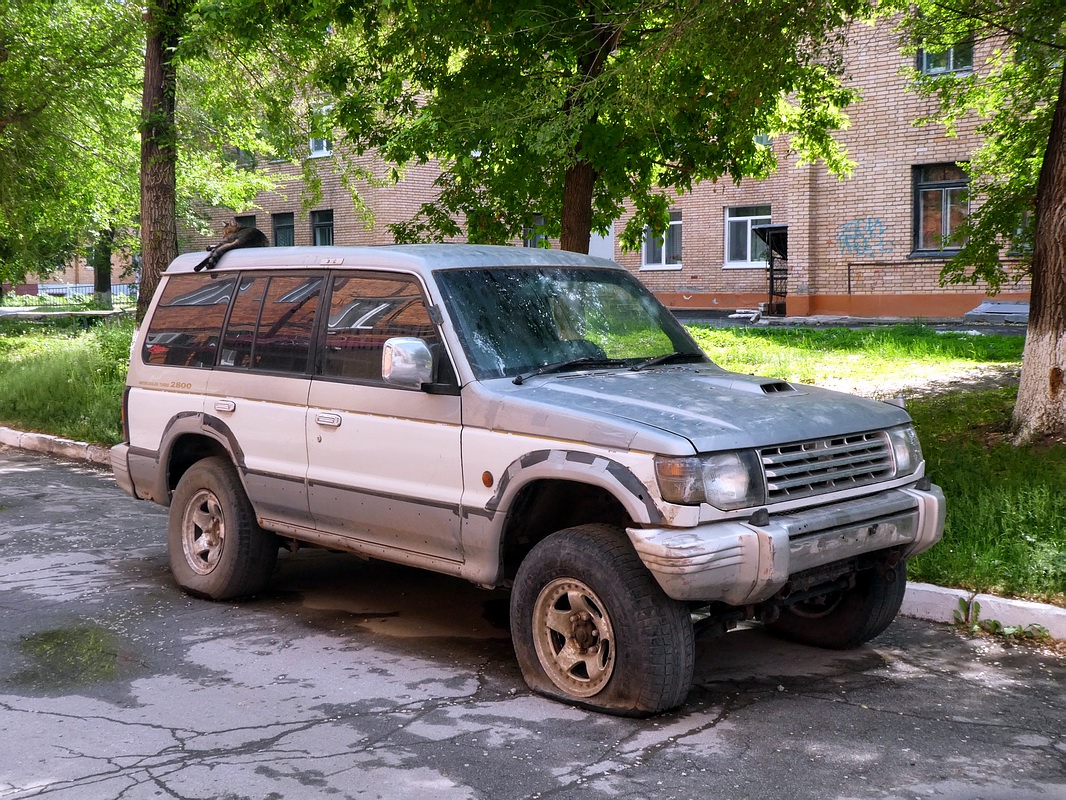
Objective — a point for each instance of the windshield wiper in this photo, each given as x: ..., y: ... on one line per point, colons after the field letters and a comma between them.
x: 562, y: 366
x: 667, y: 357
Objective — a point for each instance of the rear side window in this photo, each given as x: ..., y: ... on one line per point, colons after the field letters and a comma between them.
x: 364, y: 311
x: 186, y: 326
x: 272, y: 323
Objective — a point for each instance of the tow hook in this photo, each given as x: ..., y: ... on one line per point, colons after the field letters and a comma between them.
x: 886, y: 568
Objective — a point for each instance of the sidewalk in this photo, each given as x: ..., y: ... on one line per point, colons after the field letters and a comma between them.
x: 922, y: 601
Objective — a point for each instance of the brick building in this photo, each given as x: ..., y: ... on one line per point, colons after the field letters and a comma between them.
x: 873, y: 244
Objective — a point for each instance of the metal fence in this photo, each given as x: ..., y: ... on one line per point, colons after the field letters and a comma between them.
x: 84, y: 289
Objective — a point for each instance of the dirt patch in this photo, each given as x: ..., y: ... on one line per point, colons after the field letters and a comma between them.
x: 934, y: 382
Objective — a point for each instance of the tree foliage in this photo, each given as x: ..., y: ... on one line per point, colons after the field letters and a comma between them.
x: 68, y: 83
x: 1013, y: 96
x: 572, y: 111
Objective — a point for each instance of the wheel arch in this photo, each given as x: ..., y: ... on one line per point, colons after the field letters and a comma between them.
x: 192, y: 438
x: 547, y: 491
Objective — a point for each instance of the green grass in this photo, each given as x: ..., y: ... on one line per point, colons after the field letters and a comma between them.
x: 861, y: 356
x: 57, y: 379
x: 1006, y: 526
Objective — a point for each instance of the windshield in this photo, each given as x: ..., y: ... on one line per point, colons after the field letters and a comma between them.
x: 513, y: 321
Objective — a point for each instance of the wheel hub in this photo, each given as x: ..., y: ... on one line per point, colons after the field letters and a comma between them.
x: 574, y: 637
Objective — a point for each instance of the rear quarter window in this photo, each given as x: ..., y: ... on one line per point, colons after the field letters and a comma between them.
x: 187, y: 323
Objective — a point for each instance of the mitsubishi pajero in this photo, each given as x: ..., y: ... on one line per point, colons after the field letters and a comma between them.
x: 520, y: 418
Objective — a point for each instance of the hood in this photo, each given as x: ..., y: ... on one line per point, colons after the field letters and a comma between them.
x: 710, y: 408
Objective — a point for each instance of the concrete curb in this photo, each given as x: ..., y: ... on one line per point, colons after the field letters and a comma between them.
x: 922, y: 600
x: 56, y: 446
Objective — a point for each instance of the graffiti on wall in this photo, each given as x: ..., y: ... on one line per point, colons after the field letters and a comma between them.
x: 864, y: 237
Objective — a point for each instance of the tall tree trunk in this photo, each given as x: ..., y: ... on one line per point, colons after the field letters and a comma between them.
x: 101, y: 264
x: 1041, y: 406
x: 580, y: 181
x: 159, y: 235
x: 577, y: 208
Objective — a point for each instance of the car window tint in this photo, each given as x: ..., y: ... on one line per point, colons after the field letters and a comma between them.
x: 364, y: 311
x: 187, y: 322
x: 286, y: 324
x: 243, y: 321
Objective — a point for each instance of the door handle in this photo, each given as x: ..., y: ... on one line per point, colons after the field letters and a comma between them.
x: 329, y: 420
x: 225, y: 405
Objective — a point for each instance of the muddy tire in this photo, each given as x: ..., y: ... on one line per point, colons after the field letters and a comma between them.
x: 843, y: 620
x: 216, y: 548
x: 591, y: 626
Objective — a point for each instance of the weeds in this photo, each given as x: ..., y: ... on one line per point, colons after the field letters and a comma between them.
x: 58, y: 380
x: 968, y: 618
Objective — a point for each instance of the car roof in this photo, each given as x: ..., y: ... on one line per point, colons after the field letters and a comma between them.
x: 419, y: 258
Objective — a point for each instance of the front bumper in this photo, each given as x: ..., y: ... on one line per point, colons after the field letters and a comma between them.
x: 739, y: 563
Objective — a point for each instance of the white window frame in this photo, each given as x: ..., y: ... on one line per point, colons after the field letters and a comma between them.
x: 653, y: 254
x: 926, y: 58
x: 749, y: 219
x: 321, y: 148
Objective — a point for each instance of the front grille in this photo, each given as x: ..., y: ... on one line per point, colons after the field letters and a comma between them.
x: 826, y: 465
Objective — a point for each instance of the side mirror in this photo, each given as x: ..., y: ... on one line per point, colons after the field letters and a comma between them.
x: 406, y: 363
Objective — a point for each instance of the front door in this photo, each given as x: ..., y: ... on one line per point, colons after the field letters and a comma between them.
x: 384, y: 464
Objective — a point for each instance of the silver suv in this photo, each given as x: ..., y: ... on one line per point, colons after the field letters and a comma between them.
x: 531, y: 419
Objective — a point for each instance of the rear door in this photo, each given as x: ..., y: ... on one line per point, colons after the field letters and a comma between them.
x: 258, y: 389
x: 384, y: 464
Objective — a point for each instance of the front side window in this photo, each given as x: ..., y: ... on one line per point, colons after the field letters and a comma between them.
x: 322, y: 228
x: 185, y: 329
x: 516, y: 320
x: 742, y: 247
x: 957, y: 58
x: 663, y: 250
x: 364, y: 311
x: 941, y: 206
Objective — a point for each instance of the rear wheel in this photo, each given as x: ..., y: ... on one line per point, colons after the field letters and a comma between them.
x: 845, y: 619
x: 217, y: 549
x: 592, y: 627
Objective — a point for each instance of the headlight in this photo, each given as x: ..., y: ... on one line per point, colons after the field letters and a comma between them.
x: 905, y: 449
x: 724, y: 480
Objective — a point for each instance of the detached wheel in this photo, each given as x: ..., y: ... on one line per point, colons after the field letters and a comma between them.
x: 217, y: 549
x: 843, y: 620
x: 592, y: 627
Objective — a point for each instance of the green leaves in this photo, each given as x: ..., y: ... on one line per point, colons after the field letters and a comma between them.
x: 1013, y: 94
x: 69, y: 98
x: 508, y: 97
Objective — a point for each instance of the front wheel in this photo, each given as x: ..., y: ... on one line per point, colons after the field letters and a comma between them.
x: 845, y: 619
x: 217, y: 549
x: 592, y: 627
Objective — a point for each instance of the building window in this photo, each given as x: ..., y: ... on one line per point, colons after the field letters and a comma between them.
x: 322, y: 228
x: 245, y: 220
x: 663, y: 251
x: 941, y: 205
x: 244, y: 159
x: 742, y: 247
x: 321, y: 142
x: 532, y: 235
x: 957, y: 58
x: 284, y: 230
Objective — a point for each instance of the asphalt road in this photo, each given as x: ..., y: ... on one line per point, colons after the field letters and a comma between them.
x: 363, y: 680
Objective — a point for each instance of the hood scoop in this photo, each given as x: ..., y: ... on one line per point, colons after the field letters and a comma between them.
x: 748, y: 385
